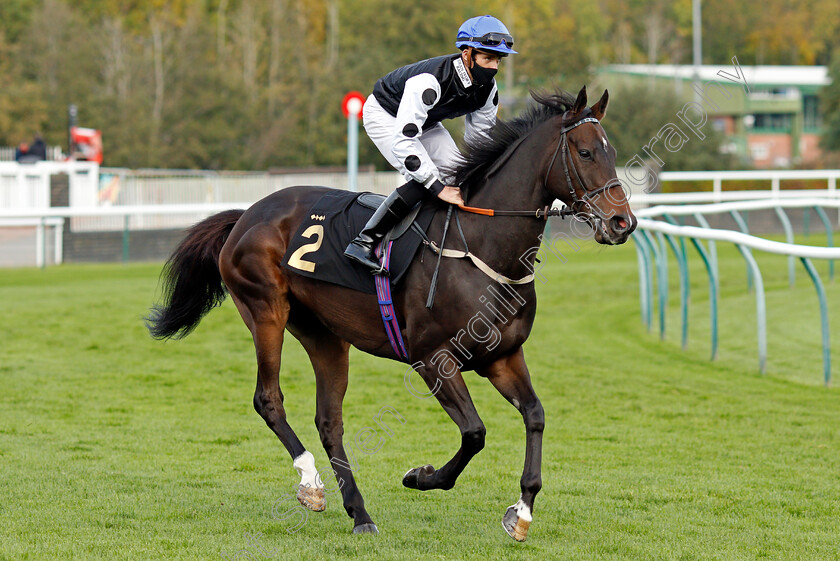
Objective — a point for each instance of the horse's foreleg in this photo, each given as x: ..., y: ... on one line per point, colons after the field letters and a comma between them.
x: 329, y: 357
x: 510, y: 376
x: 454, y: 397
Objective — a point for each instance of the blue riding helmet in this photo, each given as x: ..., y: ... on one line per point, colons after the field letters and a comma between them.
x: 485, y: 33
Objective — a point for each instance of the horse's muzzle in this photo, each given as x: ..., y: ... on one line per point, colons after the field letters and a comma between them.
x: 615, y: 230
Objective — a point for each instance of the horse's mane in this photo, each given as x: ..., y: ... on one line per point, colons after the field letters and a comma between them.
x: 484, y: 152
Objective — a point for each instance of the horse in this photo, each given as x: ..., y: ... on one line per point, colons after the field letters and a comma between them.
x: 557, y: 149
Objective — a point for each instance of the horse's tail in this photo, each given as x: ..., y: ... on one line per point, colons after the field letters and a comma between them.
x: 192, y: 284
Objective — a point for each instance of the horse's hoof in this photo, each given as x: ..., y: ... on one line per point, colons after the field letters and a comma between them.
x: 312, y: 498
x: 369, y: 528
x: 515, y: 525
x: 414, y: 476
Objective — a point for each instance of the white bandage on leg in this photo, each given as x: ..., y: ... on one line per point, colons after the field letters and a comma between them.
x: 305, y: 466
x: 522, y: 510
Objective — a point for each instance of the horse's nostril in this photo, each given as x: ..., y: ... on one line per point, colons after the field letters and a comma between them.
x: 620, y: 224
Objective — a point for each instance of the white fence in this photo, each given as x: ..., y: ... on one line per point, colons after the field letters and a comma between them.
x: 652, y: 254
x: 122, y: 200
x: 28, y: 185
x: 117, y: 199
x: 773, y: 178
x: 13, y: 228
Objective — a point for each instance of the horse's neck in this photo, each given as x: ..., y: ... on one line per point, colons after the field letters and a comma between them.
x: 517, y: 185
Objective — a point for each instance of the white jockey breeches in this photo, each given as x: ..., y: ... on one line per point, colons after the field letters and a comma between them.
x: 381, y: 128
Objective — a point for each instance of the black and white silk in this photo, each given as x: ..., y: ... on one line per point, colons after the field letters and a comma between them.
x: 403, y: 116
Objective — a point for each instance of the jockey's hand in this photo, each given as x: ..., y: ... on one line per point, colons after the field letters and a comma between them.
x: 451, y: 195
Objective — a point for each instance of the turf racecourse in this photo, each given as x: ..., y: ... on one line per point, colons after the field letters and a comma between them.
x: 114, y: 446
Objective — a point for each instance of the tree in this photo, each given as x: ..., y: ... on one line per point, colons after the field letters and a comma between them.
x: 253, y: 84
x: 23, y: 111
x: 830, y: 104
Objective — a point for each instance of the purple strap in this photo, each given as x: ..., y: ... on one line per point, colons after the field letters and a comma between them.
x: 386, y: 306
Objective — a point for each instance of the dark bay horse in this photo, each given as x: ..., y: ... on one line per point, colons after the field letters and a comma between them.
x: 555, y: 150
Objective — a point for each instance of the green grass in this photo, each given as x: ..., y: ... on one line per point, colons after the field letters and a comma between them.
x: 114, y: 446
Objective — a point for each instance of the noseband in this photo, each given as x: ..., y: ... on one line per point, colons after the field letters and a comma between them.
x: 568, y: 162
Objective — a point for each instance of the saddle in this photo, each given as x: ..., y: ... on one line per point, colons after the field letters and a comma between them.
x: 317, y: 248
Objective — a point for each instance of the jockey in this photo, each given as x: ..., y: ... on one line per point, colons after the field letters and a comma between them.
x: 403, y: 119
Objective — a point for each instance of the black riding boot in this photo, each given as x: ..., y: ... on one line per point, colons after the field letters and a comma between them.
x: 390, y: 212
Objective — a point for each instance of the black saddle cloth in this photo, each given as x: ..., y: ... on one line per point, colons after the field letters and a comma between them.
x: 317, y: 248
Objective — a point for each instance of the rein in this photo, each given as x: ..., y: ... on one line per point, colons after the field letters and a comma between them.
x: 542, y: 213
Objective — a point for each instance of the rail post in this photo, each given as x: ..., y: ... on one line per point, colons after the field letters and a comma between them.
x: 760, y: 309
x: 644, y: 290
x: 711, y: 270
x: 783, y: 217
x: 742, y: 225
x: 826, y: 339
x: 829, y: 233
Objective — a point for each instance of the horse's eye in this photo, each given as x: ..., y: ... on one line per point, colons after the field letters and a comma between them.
x: 585, y: 154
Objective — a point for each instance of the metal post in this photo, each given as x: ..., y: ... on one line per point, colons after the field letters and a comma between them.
x: 823, y: 319
x: 679, y: 253
x: 72, y: 114
x: 661, y: 277
x: 650, y: 260
x: 829, y: 238
x: 789, y: 237
x: 680, y: 222
x: 713, y: 260
x: 41, y: 244
x: 353, y: 150
x: 125, y: 239
x: 806, y: 222
x: 760, y: 309
x: 742, y: 225
x: 641, y: 256
x: 711, y: 270
x: 59, y: 242
x: 682, y: 265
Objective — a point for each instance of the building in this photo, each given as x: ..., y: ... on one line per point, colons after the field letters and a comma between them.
x: 774, y: 124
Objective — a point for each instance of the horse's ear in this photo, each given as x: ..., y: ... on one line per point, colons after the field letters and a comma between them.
x: 580, y: 102
x: 600, y: 108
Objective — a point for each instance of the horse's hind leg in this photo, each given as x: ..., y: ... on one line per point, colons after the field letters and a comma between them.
x: 261, y: 296
x: 268, y: 401
x: 329, y: 357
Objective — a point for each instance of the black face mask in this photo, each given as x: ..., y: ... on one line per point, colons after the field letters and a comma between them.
x: 483, y: 76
